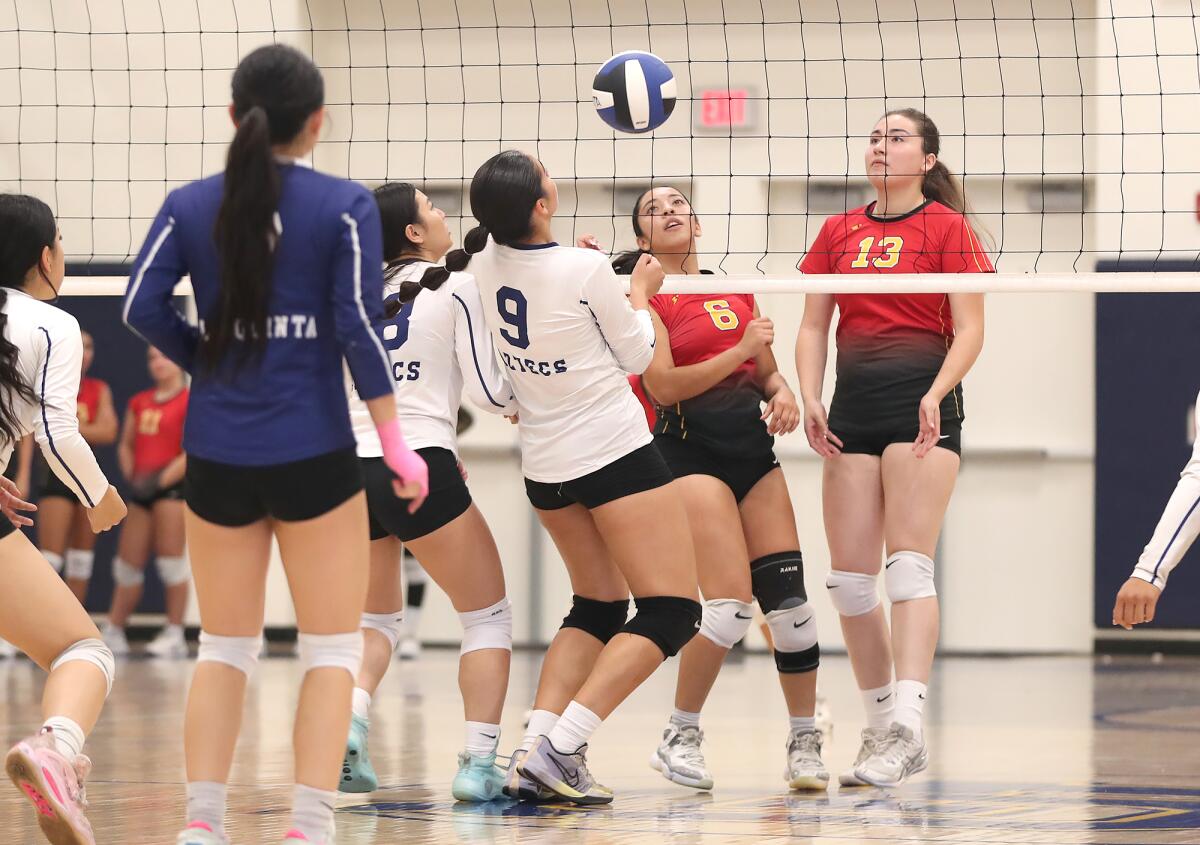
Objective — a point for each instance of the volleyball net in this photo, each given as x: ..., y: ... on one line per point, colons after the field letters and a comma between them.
x: 1072, y: 124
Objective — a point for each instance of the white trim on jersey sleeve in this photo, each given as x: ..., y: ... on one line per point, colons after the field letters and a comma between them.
x: 56, y: 420
x: 1177, y: 528
x: 628, y: 333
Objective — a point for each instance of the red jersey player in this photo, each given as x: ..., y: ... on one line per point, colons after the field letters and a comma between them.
x: 712, y: 371
x: 891, y: 440
x: 64, y: 536
x: 151, y: 457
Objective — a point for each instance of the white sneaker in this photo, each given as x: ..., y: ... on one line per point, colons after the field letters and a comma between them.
x: 899, y: 757
x: 115, y: 639
x: 872, y: 739
x: 805, y: 769
x: 824, y: 717
x: 680, y: 759
x: 410, y: 648
x: 7, y: 650
x: 198, y: 833
x: 169, y: 644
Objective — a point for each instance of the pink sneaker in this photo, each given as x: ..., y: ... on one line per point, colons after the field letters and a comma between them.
x: 54, y: 785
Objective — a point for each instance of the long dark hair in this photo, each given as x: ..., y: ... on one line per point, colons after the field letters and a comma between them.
x: 624, y: 263
x: 398, y: 210
x: 504, y: 191
x: 275, y: 90
x: 939, y: 185
x: 28, y: 226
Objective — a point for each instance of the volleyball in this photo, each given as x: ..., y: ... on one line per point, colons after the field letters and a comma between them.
x: 634, y: 92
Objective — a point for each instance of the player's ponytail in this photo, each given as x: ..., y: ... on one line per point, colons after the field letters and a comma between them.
x: 29, y: 229
x: 275, y: 90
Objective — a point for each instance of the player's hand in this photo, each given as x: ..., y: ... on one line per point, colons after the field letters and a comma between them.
x: 782, y: 414
x: 930, y: 414
x: 816, y: 427
x: 759, y: 334
x: 12, y: 503
x: 108, y: 512
x: 1135, y: 603
x: 648, y: 276
x: 589, y: 242
x: 513, y: 419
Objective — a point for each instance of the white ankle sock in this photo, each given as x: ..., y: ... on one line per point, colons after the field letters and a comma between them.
x: 312, y: 811
x: 482, y: 738
x: 175, y: 631
x: 206, y: 803
x: 802, y: 723
x: 55, y: 560
x: 360, y: 703
x: 541, y: 722
x: 68, y: 736
x: 574, y: 728
x: 880, y: 704
x: 910, y: 704
x: 684, y: 719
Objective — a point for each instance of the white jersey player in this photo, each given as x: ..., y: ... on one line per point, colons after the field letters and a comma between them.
x: 1177, y: 529
x: 567, y: 335
x: 41, y: 357
x: 438, y: 344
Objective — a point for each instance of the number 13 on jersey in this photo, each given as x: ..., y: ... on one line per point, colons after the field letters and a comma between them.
x: 889, y: 247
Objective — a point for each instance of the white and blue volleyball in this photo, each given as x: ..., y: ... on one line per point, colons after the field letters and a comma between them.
x: 634, y: 92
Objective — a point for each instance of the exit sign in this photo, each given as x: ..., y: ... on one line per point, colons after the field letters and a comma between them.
x: 721, y: 108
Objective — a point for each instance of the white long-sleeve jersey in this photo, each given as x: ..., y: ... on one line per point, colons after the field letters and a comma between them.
x: 439, y: 345
x: 1178, y: 526
x: 50, y: 358
x: 567, y: 335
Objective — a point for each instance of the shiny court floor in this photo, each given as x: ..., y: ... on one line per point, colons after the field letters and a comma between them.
x: 1046, y: 750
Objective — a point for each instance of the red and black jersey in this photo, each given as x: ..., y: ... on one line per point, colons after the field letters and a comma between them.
x: 159, y: 430
x: 891, y: 346
x: 727, y: 417
x: 88, y: 403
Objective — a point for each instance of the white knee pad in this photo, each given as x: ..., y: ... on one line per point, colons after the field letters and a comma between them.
x: 487, y: 628
x: 331, y: 651
x: 79, y: 563
x: 391, y: 625
x: 55, y: 561
x: 414, y: 573
x: 725, y: 621
x: 91, y: 651
x: 173, y: 570
x: 908, y: 576
x: 793, y: 629
x: 239, y: 652
x: 852, y: 593
x: 125, y: 574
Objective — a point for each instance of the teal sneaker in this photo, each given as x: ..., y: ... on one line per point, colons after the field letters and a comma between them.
x: 357, y: 773
x: 478, y: 778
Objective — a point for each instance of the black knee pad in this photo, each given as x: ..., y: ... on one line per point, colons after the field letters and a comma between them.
x: 777, y: 581
x: 416, y: 595
x: 797, y: 662
x: 601, y: 619
x: 667, y: 621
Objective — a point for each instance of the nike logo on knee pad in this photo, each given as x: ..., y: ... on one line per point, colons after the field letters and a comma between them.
x: 801, y: 624
x: 739, y: 616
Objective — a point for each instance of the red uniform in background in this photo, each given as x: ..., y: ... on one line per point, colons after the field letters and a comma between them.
x: 159, y: 430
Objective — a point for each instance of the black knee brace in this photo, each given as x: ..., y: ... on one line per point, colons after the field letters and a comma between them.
x: 601, y: 619
x: 777, y: 581
x: 778, y: 584
x: 667, y: 621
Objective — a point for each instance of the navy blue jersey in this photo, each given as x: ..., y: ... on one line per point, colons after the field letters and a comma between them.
x: 326, y: 304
